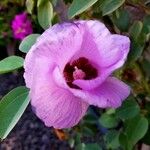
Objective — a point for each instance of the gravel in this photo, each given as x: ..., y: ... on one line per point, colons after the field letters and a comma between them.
x: 29, y: 133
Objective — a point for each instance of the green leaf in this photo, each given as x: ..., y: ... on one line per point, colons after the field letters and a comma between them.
x: 136, y: 50
x: 146, y: 24
x: 88, y: 125
x: 135, y: 30
x: 41, y: 2
x: 110, y: 111
x: 138, y: 41
x: 124, y: 142
x: 146, y: 65
x: 45, y: 13
x: 136, y: 128
x: 71, y: 142
x: 12, y: 107
x: 129, y: 109
x: 108, y: 121
x: 90, y: 119
x: 147, y: 137
x: 79, y: 6
x: 122, y: 21
x: 27, y: 42
x: 92, y: 146
x: 88, y: 130
x: 30, y: 5
x: 112, y: 139
x: 80, y: 146
x: 11, y: 63
x: 146, y: 27
x: 108, y: 6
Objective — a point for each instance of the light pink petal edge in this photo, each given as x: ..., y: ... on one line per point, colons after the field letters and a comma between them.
x: 54, y: 105
x: 109, y: 60
x: 57, y: 44
x: 109, y: 94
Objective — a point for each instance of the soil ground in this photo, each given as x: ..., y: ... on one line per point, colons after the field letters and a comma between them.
x: 29, y: 133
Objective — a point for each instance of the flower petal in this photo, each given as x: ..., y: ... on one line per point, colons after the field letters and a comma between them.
x: 113, y: 51
x: 109, y: 94
x: 101, y: 47
x: 93, y: 29
x: 93, y: 83
x: 55, y: 106
x: 59, y: 41
x: 59, y: 108
x: 107, y: 51
x: 105, y: 48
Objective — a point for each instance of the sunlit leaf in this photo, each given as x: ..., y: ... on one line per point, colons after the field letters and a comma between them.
x: 45, y: 13
x: 79, y: 6
x: 12, y: 107
x: 30, y: 5
x: 11, y: 63
x: 108, y: 6
x: 27, y: 42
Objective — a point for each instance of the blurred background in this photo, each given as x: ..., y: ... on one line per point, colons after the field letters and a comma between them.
x: 127, y: 127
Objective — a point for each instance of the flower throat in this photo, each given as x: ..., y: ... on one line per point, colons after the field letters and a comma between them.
x: 79, y: 69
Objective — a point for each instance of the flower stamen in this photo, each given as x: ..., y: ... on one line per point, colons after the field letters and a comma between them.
x: 78, y: 73
x: 79, y: 69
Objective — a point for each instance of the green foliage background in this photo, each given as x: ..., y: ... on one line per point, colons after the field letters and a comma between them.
x: 124, y: 128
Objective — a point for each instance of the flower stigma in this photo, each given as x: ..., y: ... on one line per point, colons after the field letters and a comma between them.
x: 80, y: 68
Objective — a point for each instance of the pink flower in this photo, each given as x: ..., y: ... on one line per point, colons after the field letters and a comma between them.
x: 70, y: 67
x: 21, y: 26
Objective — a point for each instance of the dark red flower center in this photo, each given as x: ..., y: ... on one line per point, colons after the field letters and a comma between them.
x: 79, y: 69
